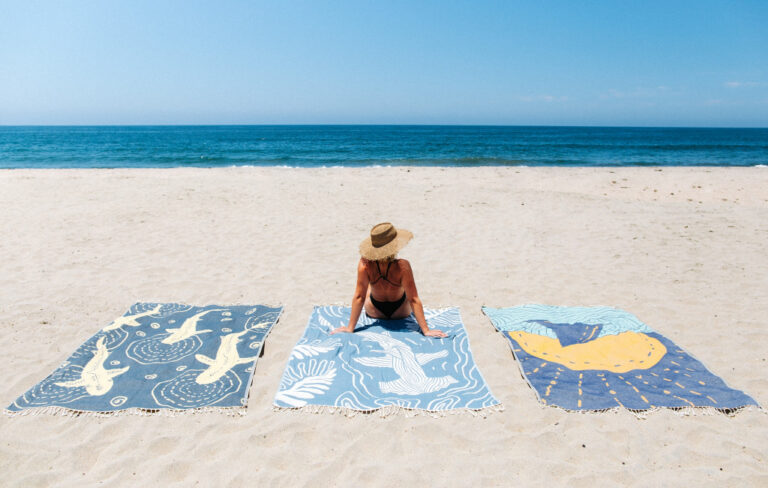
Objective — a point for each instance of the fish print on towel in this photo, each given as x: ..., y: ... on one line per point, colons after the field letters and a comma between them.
x: 188, y: 328
x: 159, y: 356
x: 383, y: 363
x: 227, y: 358
x: 95, y: 378
x: 132, y: 319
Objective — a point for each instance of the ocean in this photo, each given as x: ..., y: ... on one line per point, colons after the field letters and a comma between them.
x: 366, y: 145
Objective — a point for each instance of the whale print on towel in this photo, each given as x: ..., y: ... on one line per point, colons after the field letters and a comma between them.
x: 598, y: 358
x: 384, y: 363
x: 407, y: 365
x: 159, y: 356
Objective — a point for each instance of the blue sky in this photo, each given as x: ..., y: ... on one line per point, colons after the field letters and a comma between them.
x: 644, y: 63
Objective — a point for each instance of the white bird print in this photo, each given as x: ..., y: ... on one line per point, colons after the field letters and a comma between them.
x: 227, y: 357
x: 188, y: 328
x: 407, y: 365
x: 96, y: 380
x: 130, y: 320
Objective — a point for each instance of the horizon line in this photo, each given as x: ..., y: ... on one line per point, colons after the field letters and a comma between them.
x: 585, y: 126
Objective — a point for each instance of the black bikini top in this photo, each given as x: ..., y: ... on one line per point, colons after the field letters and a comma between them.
x: 384, y: 276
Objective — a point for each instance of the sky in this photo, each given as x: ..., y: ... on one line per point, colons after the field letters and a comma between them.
x: 629, y: 63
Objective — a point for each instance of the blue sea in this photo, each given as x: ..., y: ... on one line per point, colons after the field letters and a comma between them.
x: 366, y: 145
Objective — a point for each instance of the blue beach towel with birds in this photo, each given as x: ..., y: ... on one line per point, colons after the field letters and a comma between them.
x: 159, y: 358
x: 599, y: 358
x: 384, y: 364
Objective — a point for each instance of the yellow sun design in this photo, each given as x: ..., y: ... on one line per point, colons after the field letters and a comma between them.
x: 616, y: 353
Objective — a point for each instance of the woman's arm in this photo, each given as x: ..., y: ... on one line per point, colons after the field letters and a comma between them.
x: 409, y: 285
x: 358, y: 300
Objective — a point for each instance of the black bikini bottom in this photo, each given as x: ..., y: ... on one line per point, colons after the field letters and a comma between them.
x: 388, y: 308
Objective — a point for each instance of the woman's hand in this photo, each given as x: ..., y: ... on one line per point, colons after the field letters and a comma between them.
x: 435, y: 333
x: 342, y: 329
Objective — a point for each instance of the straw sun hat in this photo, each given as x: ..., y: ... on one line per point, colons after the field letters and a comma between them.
x: 384, y: 242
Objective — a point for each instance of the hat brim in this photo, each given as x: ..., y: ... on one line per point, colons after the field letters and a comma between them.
x: 389, y: 249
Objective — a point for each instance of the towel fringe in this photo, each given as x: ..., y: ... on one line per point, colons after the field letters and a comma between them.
x: 679, y: 411
x: 390, y: 410
x: 141, y: 412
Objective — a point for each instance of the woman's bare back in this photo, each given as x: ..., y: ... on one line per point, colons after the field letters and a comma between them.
x: 386, y: 279
x: 386, y: 285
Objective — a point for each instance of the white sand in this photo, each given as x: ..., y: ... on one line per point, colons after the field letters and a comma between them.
x: 683, y: 249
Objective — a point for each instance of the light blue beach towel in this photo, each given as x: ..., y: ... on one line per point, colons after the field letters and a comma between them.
x: 384, y: 364
x: 600, y: 358
x: 159, y: 358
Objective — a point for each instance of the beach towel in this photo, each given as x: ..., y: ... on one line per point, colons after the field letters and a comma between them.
x: 385, y: 365
x: 600, y: 358
x: 159, y: 358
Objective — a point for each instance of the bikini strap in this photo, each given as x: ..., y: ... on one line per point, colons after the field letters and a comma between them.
x: 385, y: 274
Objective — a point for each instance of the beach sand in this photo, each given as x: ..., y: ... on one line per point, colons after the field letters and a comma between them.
x: 684, y: 249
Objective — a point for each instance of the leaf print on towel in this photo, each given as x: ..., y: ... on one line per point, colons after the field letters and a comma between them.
x: 306, y: 381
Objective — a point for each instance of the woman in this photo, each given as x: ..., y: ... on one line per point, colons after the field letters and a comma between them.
x: 385, y: 284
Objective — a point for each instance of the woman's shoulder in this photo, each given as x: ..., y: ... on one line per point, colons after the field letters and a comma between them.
x: 403, y: 264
